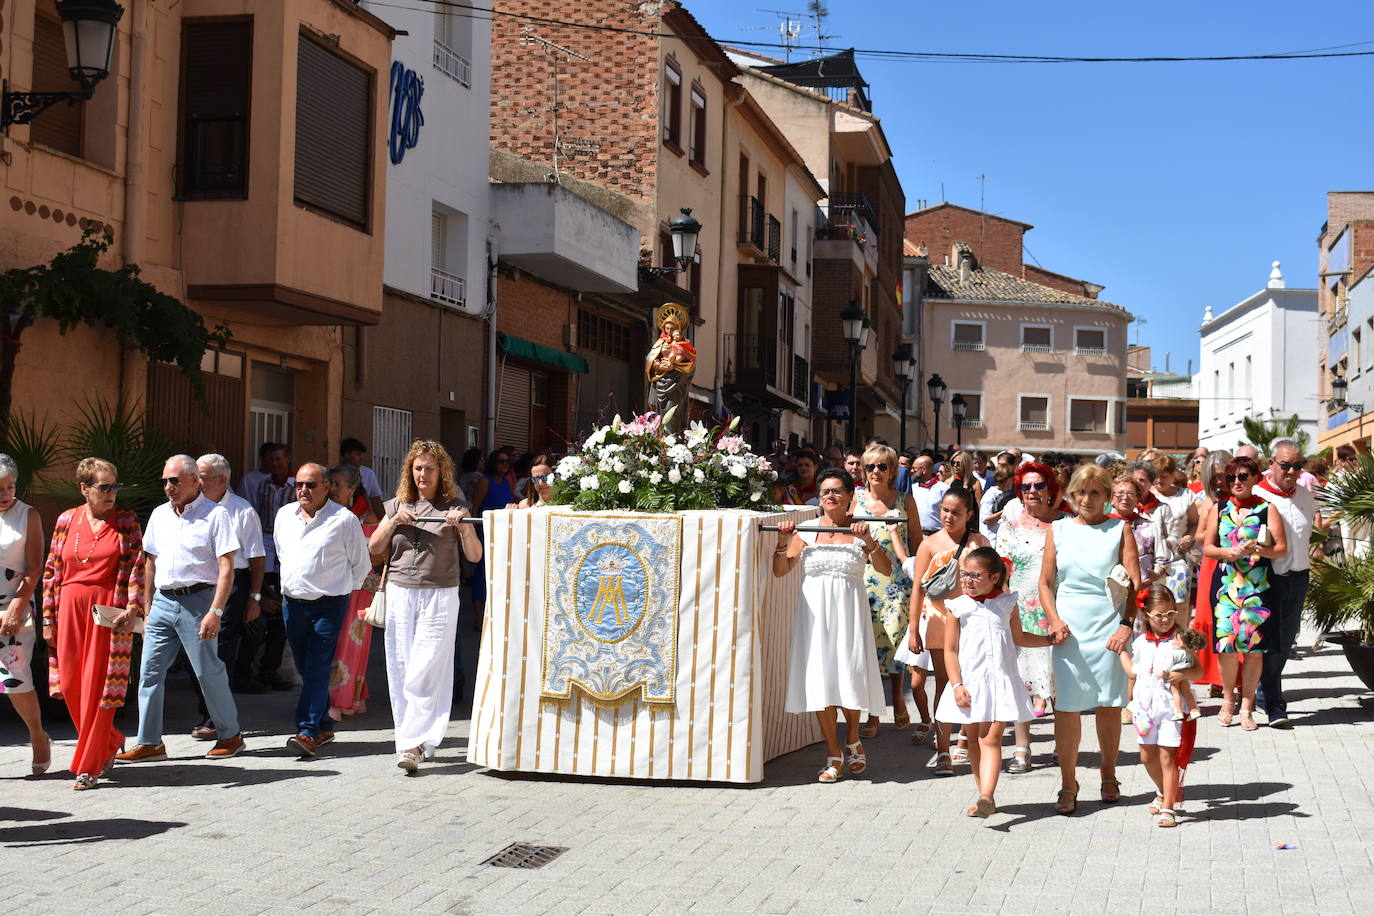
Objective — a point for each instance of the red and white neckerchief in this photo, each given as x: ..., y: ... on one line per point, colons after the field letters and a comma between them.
x: 926, y: 485
x: 1125, y: 518
x: 1148, y: 504
x: 1266, y: 484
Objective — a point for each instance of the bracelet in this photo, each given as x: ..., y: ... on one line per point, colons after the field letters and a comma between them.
x: 956, y: 686
x: 780, y: 552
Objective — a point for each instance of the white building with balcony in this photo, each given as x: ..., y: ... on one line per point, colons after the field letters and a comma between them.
x: 1258, y: 359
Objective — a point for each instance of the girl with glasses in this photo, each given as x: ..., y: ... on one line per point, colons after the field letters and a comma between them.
x: 986, y: 692
x: 889, y: 593
x: 1243, y: 534
x: 832, y: 667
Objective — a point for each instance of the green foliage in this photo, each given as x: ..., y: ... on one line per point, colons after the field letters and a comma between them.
x: 33, y: 443
x: 74, y: 290
x: 1261, y: 433
x: 1349, y: 493
x: 1340, y: 596
x: 122, y: 435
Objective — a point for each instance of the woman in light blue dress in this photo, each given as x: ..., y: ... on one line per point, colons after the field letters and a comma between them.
x: 1087, y: 629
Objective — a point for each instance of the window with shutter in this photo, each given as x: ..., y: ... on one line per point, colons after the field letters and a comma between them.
x: 60, y: 127
x: 436, y: 237
x: 216, y: 86
x: 333, y: 133
x: 1087, y: 416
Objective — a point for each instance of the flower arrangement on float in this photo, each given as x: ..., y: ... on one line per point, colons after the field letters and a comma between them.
x: 640, y: 465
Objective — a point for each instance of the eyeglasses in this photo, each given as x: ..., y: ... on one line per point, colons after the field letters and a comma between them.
x: 171, y: 481
x: 971, y: 576
x: 307, y: 484
x: 831, y: 494
x: 541, y: 478
x: 881, y: 466
x: 1291, y: 465
x: 1168, y: 616
x: 1037, y: 486
x: 1238, y: 478
x: 109, y: 487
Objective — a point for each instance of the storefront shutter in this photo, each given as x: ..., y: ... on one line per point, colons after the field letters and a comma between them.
x: 513, y: 411
x: 333, y: 131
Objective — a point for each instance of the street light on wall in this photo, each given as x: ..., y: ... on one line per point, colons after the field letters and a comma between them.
x: 856, y: 330
x: 1339, y: 386
x: 937, y: 388
x: 684, y: 230
x: 89, y: 28
x: 958, y: 409
x: 903, y: 367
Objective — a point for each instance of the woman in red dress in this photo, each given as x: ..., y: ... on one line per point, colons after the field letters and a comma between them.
x: 96, y: 557
x: 348, y: 677
x: 1211, y: 477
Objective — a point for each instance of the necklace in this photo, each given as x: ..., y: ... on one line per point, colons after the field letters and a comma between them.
x: 95, y: 540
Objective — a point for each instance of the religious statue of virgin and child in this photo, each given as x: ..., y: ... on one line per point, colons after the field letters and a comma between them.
x: 669, y: 366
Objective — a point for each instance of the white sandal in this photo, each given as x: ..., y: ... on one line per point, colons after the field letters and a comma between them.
x: 1020, y: 762
x: 959, y: 753
x: 943, y: 765
x: 858, y: 761
x: 1166, y: 818
x: 409, y: 761
x: 834, y: 766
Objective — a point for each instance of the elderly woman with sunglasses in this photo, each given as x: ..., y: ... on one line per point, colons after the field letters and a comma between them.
x: 1243, y: 534
x: 833, y: 666
x: 889, y: 594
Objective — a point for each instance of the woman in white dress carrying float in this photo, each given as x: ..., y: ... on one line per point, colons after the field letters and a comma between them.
x: 833, y: 662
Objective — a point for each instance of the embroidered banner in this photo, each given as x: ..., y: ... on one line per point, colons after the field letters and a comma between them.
x: 610, y: 623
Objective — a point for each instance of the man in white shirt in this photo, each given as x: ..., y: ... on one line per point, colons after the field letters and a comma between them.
x: 249, y: 563
x: 188, y: 548
x: 1288, y: 574
x: 927, y: 490
x: 323, y: 558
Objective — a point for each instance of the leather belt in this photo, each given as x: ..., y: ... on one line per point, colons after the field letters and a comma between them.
x: 183, y: 591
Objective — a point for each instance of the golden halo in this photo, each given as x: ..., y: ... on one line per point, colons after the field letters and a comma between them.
x: 674, y: 311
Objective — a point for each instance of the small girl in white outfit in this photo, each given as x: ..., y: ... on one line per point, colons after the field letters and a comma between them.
x: 1150, y: 661
x: 985, y: 691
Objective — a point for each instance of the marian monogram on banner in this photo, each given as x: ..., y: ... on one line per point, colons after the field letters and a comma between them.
x: 610, y: 628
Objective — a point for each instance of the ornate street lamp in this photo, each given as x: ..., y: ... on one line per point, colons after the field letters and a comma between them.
x: 856, y: 330
x: 1339, y: 386
x: 684, y: 229
x: 89, y: 28
x: 958, y: 409
x: 937, y: 388
x: 903, y: 367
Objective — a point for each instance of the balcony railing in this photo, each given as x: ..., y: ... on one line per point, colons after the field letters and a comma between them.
x: 1033, y: 426
x: 801, y: 378
x: 751, y: 221
x: 445, y: 287
x: 1089, y: 351
x: 1036, y: 348
x: 450, y: 62
x: 971, y: 424
x: 774, y: 239
x: 968, y: 345
x: 843, y: 203
x: 752, y: 359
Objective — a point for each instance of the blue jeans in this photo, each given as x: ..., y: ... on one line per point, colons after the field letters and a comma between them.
x: 312, y: 631
x: 175, y: 623
x: 1286, y: 594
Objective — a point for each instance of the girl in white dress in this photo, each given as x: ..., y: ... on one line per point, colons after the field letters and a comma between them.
x: 833, y: 662
x: 980, y: 654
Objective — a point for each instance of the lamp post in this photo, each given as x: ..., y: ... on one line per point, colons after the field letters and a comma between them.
x: 1339, y: 386
x: 856, y: 332
x: 684, y: 230
x: 89, y: 28
x: 903, y: 366
x: 958, y: 409
x: 937, y: 388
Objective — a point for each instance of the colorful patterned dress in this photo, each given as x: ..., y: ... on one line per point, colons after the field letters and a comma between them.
x: 889, y: 597
x: 1022, y: 540
x: 348, y: 676
x: 1240, y: 613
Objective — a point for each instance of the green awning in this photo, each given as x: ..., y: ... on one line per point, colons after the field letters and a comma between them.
x: 528, y: 349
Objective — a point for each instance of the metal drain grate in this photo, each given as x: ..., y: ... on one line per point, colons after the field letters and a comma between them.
x: 525, y: 855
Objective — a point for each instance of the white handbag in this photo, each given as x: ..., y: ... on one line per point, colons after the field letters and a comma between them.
x: 376, y: 611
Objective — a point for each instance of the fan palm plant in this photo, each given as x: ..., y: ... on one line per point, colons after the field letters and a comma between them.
x: 1261, y: 433
x: 1341, y: 593
x: 122, y: 435
x: 33, y: 443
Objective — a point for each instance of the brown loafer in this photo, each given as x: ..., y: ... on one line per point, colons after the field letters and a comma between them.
x: 323, y: 739
x: 204, y: 733
x: 305, y: 745
x: 226, y: 747
x: 142, y: 753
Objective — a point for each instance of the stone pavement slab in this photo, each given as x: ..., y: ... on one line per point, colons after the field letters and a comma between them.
x: 348, y: 833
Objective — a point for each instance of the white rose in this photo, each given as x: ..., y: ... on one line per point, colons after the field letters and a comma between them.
x: 655, y: 478
x: 699, y: 475
x: 739, y: 470
x: 674, y: 475
x: 591, y: 482
x: 618, y: 466
x: 755, y: 496
x: 624, y: 486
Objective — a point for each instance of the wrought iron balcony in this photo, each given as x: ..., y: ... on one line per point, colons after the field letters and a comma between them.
x: 751, y: 222
x: 450, y: 62
x: 774, y: 239
x: 445, y: 287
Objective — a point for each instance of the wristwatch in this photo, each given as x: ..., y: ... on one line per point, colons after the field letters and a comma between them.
x: 217, y: 611
x: 256, y: 596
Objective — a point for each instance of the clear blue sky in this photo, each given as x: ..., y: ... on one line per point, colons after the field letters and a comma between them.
x: 1172, y: 184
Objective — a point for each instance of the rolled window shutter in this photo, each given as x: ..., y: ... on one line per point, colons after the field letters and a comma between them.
x: 333, y: 130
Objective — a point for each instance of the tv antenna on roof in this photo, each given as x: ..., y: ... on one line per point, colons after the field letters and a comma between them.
x: 556, y: 52
x: 789, y: 30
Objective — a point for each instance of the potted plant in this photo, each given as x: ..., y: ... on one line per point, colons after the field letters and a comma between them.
x: 1340, y: 598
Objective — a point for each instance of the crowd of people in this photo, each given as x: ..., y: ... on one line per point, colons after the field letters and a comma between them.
x: 1071, y: 585
x: 1026, y: 586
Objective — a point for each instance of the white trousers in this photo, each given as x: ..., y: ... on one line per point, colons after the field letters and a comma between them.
x: 421, y: 626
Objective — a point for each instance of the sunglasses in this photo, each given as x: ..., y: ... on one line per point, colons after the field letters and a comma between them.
x: 831, y: 494
x: 1291, y: 465
x: 1238, y: 478
x: 541, y: 478
x: 308, y: 484
x: 110, y: 487
x: 1039, y: 485
x: 881, y: 466
x: 171, y: 481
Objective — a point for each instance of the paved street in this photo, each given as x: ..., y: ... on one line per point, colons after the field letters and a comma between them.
x: 348, y: 833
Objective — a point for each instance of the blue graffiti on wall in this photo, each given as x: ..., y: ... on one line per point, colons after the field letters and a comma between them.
x: 407, y: 87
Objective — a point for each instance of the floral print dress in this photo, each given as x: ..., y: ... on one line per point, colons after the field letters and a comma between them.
x: 1022, y: 540
x: 889, y: 597
x: 1241, y: 617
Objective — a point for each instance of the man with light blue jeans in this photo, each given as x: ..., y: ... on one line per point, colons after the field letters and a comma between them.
x: 323, y: 557
x: 189, y: 547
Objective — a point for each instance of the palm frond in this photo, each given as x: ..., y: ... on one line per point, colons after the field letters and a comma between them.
x: 33, y: 443
x: 1340, y: 596
x: 1349, y: 494
x: 122, y: 435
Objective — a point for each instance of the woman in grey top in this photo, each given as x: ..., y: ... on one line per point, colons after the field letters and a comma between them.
x: 422, y: 597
